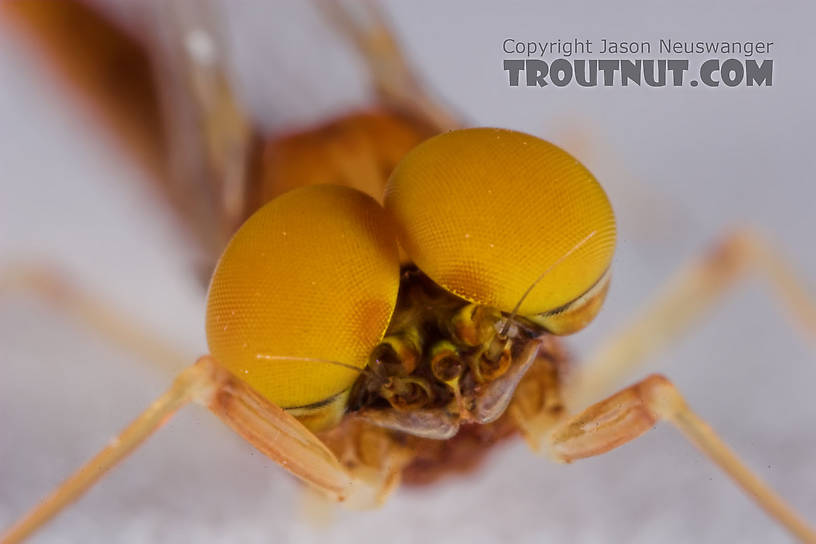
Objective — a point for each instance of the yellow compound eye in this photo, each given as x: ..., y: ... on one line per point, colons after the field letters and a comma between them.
x: 313, y: 274
x: 490, y: 214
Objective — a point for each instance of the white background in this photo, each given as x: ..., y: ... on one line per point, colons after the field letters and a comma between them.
x: 680, y: 165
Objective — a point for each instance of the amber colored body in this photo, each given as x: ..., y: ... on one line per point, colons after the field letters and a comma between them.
x: 118, y: 79
x: 357, y: 150
x: 116, y: 74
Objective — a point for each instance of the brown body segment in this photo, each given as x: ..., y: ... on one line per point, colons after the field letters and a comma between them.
x: 358, y: 150
x: 116, y: 74
x: 108, y: 70
x: 120, y: 78
x: 130, y: 92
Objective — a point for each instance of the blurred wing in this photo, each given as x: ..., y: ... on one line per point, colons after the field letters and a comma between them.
x: 212, y: 143
x: 104, y: 67
x: 164, y: 92
x: 164, y: 95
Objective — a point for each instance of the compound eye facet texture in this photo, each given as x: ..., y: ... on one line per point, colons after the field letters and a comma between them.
x: 312, y: 274
x: 489, y: 213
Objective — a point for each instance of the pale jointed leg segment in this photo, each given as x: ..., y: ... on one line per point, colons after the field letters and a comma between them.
x: 270, y: 429
x: 680, y: 305
x: 631, y: 412
x: 189, y: 384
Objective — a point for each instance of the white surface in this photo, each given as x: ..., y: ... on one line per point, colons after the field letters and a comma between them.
x: 680, y: 165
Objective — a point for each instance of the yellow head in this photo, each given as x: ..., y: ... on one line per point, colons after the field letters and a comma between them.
x: 312, y: 275
x: 500, y: 217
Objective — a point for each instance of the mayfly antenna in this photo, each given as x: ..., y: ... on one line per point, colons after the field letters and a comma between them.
x: 268, y: 357
x: 573, y: 249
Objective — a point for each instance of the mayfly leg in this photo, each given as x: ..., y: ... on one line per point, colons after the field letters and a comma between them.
x: 682, y: 303
x: 634, y: 410
x: 270, y: 429
x: 365, y: 26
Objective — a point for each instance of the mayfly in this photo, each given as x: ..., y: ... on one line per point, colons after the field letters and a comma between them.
x: 363, y: 332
